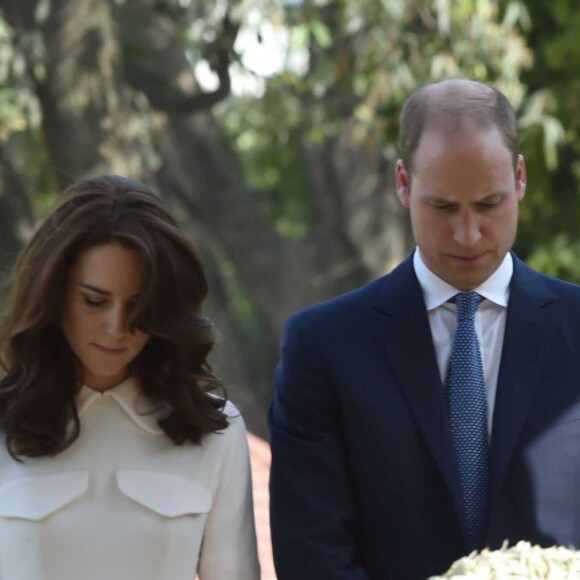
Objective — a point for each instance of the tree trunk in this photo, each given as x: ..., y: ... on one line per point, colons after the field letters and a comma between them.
x: 89, y: 122
x: 16, y: 219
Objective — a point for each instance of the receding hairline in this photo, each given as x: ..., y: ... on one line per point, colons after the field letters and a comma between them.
x: 457, y: 104
x: 456, y: 107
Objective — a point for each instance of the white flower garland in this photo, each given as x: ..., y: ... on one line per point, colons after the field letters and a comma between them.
x: 520, y: 562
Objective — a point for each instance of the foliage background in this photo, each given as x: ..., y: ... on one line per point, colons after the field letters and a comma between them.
x: 270, y: 128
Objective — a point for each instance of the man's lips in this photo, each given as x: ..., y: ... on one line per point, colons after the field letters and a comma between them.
x: 468, y: 260
x: 107, y: 350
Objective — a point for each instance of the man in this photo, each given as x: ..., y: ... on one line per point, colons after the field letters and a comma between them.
x: 437, y: 409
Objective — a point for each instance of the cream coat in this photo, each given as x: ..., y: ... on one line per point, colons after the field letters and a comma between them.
x: 124, y: 503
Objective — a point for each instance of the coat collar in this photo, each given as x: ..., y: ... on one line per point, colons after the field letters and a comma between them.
x: 128, y: 395
x: 436, y: 291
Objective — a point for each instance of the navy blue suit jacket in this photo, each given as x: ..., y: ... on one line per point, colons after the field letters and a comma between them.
x: 364, y: 482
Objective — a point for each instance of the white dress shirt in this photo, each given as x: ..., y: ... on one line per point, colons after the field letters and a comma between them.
x: 125, y: 503
x: 489, y: 320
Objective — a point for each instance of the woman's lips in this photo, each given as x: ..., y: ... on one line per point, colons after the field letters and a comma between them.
x: 111, y: 351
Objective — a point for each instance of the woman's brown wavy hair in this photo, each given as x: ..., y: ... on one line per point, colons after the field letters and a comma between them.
x: 41, y: 375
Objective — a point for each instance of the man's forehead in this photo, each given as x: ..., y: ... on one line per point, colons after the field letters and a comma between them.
x: 456, y: 94
x: 456, y: 135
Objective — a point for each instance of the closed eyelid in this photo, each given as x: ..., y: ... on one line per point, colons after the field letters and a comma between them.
x: 441, y: 204
x: 486, y: 202
x: 93, y: 300
x: 490, y: 202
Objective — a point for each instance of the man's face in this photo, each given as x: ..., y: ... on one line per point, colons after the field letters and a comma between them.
x: 463, y: 199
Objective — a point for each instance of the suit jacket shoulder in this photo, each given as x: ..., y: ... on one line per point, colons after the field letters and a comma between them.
x: 379, y: 294
x: 524, y: 274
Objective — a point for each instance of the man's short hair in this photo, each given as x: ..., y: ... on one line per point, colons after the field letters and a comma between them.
x: 454, y: 105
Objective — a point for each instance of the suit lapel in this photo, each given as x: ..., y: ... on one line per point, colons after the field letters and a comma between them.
x: 404, y: 335
x: 529, y: 331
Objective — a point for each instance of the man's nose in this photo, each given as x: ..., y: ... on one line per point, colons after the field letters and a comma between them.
x: 467, y: 230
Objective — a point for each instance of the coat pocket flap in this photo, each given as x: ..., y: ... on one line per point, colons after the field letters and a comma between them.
x: 34, y: 498
x: 164, y: 493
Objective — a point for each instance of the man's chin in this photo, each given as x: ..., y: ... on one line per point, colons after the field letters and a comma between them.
x: 469, y: 282
x: 466, y: 279
x: 468, y: 273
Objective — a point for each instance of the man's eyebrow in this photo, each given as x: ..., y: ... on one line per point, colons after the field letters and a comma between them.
x: 95, y: 289
x: 441, y: 198
x: 486, y: 197
x: 496, y: 193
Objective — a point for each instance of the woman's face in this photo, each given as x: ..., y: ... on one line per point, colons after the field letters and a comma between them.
x: 102, y: 288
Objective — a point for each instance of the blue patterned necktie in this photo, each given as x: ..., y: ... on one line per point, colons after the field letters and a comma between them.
x: 467, y: 404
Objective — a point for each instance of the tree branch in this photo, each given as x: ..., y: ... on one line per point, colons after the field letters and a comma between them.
x: 175, y: 102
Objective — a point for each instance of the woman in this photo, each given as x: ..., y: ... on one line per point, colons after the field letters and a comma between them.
x: 119, y: 463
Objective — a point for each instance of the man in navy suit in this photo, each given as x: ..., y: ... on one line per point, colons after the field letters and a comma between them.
x: 365, y: 481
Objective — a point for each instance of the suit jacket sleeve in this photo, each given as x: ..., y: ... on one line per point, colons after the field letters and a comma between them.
x: 313, y: 510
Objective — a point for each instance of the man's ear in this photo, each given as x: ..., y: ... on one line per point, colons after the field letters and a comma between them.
x: 403, y: 183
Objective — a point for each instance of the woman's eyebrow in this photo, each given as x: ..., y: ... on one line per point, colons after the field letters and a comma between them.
x: 100, y: 290
x: 95, y: 289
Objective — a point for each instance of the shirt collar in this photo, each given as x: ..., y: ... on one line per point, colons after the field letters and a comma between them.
x: 437, y: 292
x: 128, y: 395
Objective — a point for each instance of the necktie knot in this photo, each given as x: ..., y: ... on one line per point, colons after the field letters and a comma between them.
x: 467, y: 304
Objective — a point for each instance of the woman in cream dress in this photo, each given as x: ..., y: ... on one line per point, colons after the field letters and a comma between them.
x: 119, y: 463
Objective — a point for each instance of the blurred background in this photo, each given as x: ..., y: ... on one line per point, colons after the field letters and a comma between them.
x: 270, y: 128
